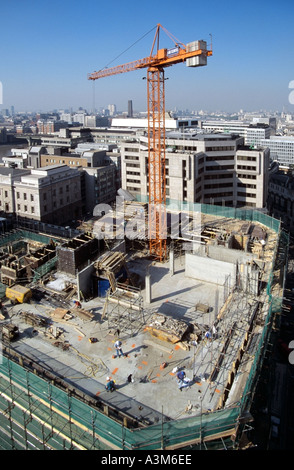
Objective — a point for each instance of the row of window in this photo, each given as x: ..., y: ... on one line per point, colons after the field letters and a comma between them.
x: 220, y: 168
x: 246, y: 158
x: 70, y: 162
x: 25, y: 209
x: 25, y: 196
x: 241, y: 175
x: 245, y: 195
x: 245, y: 167
x: 218, y: 185
x: 220, y: 149
x: 219, y: 158
x: 243, y: 185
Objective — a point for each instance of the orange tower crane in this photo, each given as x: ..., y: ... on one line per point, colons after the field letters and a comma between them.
x: 194, y: 54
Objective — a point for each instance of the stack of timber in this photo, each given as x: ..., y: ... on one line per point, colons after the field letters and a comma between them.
x: 109, y: 265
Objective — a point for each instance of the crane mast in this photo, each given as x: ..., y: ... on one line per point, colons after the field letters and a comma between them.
x: 156, y: 163
x: 194, y: 54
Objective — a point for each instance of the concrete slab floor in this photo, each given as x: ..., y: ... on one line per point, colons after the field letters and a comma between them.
x: 153, y: 393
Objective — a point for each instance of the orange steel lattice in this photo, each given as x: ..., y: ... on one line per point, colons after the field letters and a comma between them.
x: 156, y: 162
x: 155, y: 64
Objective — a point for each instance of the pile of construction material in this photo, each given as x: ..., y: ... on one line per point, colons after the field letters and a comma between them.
x: 109, y: 265
x: 67, y: 314
x: 167, y: 328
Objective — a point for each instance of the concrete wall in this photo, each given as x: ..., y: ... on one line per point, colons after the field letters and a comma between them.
x: 209, y: 270
x: 84, y: 281
x: 222, y: 253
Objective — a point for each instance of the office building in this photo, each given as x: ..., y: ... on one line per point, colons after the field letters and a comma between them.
x: 207, y: 168
x: 281, y: 148
x: 253, y: 133
x: 130, y: 108
x: 281, y: 197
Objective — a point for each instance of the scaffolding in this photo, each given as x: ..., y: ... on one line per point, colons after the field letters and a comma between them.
x: 38, y: 414
x: 124, y: 310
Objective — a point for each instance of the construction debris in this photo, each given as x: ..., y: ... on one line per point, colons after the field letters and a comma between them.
x: 10, y: 332
x: 93, y: 340
x: 83, y: 313
x: 34, y: 320
x: 61, y: 314
x: 62, y: 344
x: 203, y: 308
x: 167, y: 328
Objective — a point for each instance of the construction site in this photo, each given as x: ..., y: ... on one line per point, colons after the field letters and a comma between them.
x: 208, y: 310
x: 202, y: 300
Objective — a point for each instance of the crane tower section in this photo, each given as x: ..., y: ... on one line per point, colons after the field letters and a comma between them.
x: 195, y: 55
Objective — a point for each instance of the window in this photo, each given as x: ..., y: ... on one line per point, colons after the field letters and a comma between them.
x: 32, y: 197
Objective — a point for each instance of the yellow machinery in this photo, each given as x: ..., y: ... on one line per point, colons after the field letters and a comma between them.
x: 18, y: 294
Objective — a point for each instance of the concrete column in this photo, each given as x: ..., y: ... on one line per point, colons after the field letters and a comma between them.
x: 171, y: 262
x: 148, y: 287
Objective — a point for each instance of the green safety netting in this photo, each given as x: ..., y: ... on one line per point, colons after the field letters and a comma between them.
x: 54, y: 418
x: 35, y: 414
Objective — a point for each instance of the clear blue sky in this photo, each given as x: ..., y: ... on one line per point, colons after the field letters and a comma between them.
x: 47, y: 48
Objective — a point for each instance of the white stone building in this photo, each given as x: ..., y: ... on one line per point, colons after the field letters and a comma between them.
x: 51, y: 194
x: 206, y: 168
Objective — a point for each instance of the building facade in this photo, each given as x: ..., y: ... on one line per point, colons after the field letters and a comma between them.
x: 281, y: 197
x: 51, y: 195
x: 253, y: 133
x: 101, y: 187
x: 208, y: 168
x: 281, y: 148
x: 8, y: 178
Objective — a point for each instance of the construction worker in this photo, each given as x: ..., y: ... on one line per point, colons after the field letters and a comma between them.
x: 182, y: 380
x: 110, y: 386
x: 118, y: 348
x: 208, y: 336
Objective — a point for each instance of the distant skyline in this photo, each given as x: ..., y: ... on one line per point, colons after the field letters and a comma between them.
x: 48, y: 48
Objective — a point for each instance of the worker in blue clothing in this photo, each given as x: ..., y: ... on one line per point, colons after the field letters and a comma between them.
x: 118, y: 348
x: 110, y: 386
x: 182, y: 380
